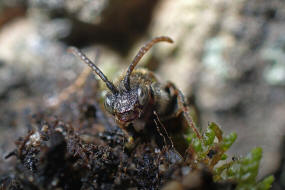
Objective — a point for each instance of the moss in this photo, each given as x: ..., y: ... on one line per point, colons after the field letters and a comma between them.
x: 211, y: 149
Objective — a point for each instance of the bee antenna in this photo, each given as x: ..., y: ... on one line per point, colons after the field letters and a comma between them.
x: 140, y: 54
x: 85, y: 59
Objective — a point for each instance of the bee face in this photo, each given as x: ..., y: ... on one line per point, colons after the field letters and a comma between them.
x: 128, y: 105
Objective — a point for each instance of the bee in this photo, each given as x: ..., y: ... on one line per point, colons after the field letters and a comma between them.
x: 138, y: 97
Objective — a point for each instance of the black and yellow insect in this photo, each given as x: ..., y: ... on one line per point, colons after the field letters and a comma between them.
x: 138, y: 97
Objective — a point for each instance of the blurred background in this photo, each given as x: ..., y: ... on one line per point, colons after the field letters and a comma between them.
x: 228, y: 59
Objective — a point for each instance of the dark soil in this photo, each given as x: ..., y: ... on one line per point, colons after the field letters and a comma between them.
x: 90, y: 153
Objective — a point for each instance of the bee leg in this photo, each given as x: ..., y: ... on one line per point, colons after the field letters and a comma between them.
x: 130, y: 143
x: 130, y: 140
x: 182, y: 107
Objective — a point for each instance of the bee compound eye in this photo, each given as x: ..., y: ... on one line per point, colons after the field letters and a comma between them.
x: 109, y: 102
x: 142, y: 95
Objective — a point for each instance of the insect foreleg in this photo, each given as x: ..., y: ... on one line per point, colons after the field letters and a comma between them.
x: 182, y: 107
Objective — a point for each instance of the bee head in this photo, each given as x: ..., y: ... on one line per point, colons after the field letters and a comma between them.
x: 127, y: 105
